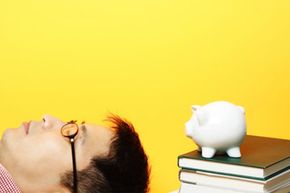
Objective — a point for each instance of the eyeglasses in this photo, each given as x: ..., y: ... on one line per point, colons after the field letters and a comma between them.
x: 70, y: 130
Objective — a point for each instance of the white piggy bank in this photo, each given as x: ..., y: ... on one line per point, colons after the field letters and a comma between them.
x: 217, y: 127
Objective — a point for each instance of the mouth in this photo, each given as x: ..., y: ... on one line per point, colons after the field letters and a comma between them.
x: 26, y: 127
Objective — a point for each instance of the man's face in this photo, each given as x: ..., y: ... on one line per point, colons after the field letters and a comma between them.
x: 36, y: 154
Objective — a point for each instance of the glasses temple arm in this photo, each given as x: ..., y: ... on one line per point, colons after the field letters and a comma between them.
x: 75, y: 178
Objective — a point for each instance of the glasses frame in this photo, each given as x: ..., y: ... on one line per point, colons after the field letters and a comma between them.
x: 71, y: 137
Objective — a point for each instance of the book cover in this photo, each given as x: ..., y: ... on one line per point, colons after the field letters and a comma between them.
x: 262, y: 157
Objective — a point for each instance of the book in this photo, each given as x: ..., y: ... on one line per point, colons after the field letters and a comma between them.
x: 193, y: 188
x: 230, y: 182
x: 262, y: 158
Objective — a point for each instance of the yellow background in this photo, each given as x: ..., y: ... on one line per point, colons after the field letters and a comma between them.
x: 148, y: 61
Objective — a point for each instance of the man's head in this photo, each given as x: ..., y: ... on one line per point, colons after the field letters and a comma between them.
x: 108, y: 159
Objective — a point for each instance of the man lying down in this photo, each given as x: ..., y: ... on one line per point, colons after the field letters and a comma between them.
x: 65, y: 157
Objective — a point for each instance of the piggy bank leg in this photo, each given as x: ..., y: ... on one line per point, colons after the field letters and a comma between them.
x: 234, y: 152
x: 207, y: 152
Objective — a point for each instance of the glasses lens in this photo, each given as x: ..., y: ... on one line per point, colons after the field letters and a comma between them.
x: 69, y: 130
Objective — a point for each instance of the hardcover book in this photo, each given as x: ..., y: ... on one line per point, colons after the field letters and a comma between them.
x: 230, y: 182
x: 262, y: 158
x: 193, y: 188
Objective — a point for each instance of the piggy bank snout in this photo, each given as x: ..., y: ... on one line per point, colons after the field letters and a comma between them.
x: 189, y: 129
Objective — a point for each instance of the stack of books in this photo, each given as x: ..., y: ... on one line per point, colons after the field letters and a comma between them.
x: 263, y: 168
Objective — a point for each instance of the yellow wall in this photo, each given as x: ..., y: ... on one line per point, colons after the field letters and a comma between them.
x: 148, y: 61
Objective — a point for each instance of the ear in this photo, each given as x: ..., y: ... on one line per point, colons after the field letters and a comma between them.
x: 242, y: 109
x: 195, y: 108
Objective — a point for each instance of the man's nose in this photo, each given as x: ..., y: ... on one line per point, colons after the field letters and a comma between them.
x: 50, y: 122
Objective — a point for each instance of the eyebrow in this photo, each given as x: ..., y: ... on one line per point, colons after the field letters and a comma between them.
x: 84, y: 133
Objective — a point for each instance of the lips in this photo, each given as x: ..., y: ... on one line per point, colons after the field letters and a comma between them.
x: 26, y: 127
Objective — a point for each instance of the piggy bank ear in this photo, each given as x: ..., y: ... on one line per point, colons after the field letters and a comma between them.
x: 195, y: 108
x: 242, y: 109
x: 201, y: 117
